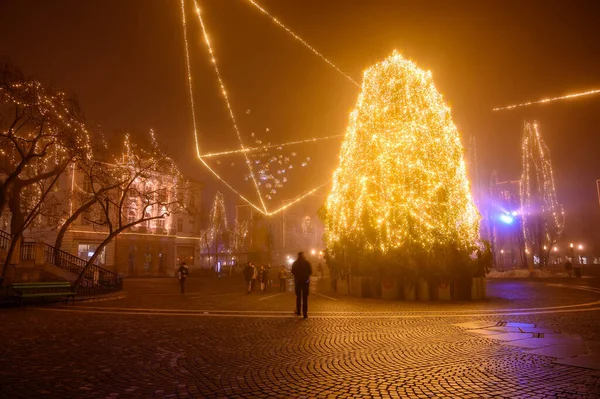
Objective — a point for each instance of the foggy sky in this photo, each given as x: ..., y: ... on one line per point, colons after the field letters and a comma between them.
x: 124, y: 59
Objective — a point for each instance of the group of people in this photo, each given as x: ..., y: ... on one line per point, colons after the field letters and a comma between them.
x: 262, y: 274
x: 301, y: 270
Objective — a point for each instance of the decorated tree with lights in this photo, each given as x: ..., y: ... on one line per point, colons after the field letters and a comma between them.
x: 218, y: 231
x: 542, y: 215
x: 140, y: 188
x: 400, y: 195
x: 42, y: 132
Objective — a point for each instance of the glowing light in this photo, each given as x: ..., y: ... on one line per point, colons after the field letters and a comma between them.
x: 580, y: 247
x: 401, y: 181
x: 191, y: 91
x: 262, y: 210
x: 555, y: 249
x: 506, y: 218
x: 189, y: 73
x: 264, y: 147
x: 313, y: 252
x: 539, y: 203
x: 548, y: 100
x: 227, y: 102
x: 571, y: 245
x: 298, y: 38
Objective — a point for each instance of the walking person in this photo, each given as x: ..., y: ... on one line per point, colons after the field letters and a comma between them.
x: 282, y: 278
x: 302, y: 271
x: 266, y: 277
x: 261, y: 277
x: 248, y: 273
x: 182, y: 274
x: 254, y: 276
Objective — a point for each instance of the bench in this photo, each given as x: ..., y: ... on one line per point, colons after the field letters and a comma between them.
x: 43, y: 290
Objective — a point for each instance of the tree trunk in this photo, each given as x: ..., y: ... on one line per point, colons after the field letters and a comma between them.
x: 65, y: 227
x: 97, y: 253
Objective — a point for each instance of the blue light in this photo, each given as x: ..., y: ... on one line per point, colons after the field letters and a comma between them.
x: 506, y: 218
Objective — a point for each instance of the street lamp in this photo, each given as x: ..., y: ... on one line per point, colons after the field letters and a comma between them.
x: 313, y: 252
x: 580, y: 247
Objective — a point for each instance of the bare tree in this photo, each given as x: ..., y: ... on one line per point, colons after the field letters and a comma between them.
x: 145, y: 186
x: 42, y: 131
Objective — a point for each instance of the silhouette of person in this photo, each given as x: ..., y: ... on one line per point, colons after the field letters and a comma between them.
x: 302, y: 271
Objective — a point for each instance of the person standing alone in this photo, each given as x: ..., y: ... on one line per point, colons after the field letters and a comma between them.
x: 302, y: 271
x: 282, y: 277
x: 248, y: 273
x: 182, y: 274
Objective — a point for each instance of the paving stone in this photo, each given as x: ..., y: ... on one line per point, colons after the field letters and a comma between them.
x: 485, y: 332
x: 510, y: 336
x: 561, y: 351
x: 217, y: 342
x: 588, y: 361
x: 474, y: 325
x: 520, y: 325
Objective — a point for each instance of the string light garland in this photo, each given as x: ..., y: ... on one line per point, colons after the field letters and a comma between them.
x: 251, y: 149
x: 548, y: 100
x: 401, y: 179
x: 298, y: 38
x: 227, y: 102
x: 194, y: 120
x: 189, y: 74
x: 262, y: 210
x: 539, y: 203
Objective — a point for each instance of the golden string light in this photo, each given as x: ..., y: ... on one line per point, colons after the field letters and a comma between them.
x: 228, y: 103
x: 538, y: 191
x: 548, y: 100
x: 298, y: 38
x: 264, y: 147
x: 401, y: 181
x: 191, y: 92
x: 189, y: 73
x: 194, y: 120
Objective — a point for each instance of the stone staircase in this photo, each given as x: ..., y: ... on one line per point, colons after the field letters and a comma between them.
x: 38, y: 261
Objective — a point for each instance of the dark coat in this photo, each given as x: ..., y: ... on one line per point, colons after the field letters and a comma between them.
x: 302, y: 270
x: 248, y: 272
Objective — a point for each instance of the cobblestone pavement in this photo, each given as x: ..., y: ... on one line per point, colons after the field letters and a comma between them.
x: 217, y: 342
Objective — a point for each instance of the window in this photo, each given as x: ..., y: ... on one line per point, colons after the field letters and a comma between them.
x: 160, y: 223
x: 131, y: 216
x: 87, y: 184
x: 185, y: 254
x: 86, y: 251
x: 147, y: 216
x: 179, y: 225
x: 147, y: 261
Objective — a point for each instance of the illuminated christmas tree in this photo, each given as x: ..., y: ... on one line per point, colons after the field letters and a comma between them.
x: 401, y: 185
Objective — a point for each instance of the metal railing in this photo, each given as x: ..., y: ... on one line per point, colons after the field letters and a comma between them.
x: 4, y: 241
x: 28, y: 250
x: 95, y: 280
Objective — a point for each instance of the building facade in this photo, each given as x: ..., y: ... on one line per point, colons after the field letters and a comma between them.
x: 150, y: 249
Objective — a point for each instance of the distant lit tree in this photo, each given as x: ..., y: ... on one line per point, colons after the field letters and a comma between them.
x: 543, y: 217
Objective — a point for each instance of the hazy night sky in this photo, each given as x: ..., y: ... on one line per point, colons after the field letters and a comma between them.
x: 124, y: 59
